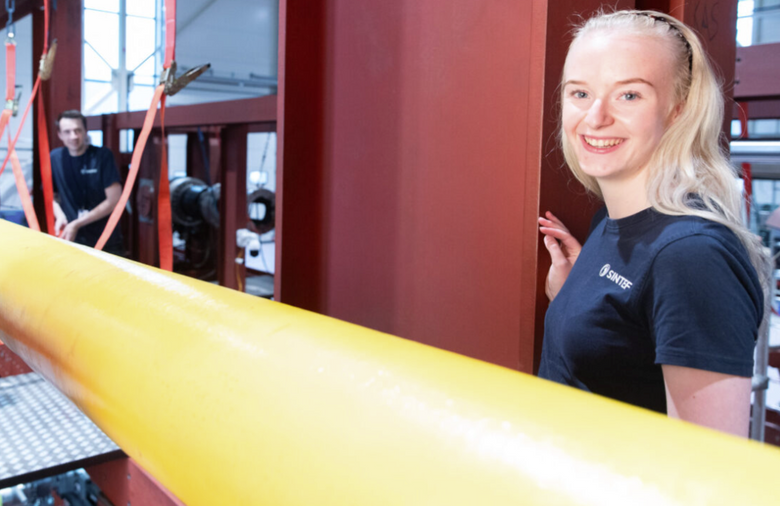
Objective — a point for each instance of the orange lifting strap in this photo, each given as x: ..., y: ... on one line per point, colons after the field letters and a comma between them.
x: 5, y: 117
x: 164, y: 226
x: 168, y: 86
x: 44, y: 72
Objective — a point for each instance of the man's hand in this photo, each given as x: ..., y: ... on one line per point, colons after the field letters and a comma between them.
x: 59, y: 224
x: 564, y: 250
x: 70, y: 231
x: 102, y: 210
x: 60, y: 220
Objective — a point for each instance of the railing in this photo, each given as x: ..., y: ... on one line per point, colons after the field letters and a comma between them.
x: 230, y: 399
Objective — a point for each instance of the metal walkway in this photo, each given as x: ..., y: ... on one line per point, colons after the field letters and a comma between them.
x: 44, y: 434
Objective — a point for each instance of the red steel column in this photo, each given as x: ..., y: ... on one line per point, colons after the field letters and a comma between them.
x: 145, y: 241
x: 409, y: 151
x: 63, y: 90
x: 232, y: 204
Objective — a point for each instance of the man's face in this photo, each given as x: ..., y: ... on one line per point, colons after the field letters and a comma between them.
x: 73, y: 134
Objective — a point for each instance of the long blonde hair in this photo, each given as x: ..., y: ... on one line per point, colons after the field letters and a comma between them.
x: 689, y: 173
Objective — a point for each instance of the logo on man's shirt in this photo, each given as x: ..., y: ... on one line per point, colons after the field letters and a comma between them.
x: 85, y: 171
x: 614, y: 276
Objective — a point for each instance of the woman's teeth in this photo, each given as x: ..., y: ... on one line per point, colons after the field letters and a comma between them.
x: 602, y: 143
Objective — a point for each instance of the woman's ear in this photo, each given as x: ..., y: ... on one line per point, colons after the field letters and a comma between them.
x: 676, y: 111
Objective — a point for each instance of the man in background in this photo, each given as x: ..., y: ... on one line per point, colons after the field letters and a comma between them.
x: 86, y: 185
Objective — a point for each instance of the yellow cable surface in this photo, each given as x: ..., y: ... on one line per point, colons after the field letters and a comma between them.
x: 230, y: 399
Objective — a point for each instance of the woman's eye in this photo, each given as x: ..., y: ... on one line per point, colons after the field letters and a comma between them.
x: 579, y: 94
x: 630, y: 95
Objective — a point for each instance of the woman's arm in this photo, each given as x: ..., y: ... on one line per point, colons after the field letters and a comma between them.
x: 712, y: 399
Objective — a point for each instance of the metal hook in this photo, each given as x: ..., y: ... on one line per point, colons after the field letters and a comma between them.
x: 10, y: 27
x: 173, y: 85
x: 47, y: 62
x: 12, y: 104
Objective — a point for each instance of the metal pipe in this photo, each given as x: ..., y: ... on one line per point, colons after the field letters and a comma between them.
x: 230, y: 399
x: 760, y: 381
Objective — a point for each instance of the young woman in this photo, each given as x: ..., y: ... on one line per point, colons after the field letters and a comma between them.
x: 661, y: 306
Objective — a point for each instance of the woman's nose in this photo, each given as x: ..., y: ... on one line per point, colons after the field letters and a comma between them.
x: 598, y: 115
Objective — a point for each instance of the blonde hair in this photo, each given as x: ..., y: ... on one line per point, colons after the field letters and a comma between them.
x: 689, y: 173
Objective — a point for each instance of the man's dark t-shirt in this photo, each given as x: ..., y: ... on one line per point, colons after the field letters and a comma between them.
x: 81, y: 183
x: 651, y: 290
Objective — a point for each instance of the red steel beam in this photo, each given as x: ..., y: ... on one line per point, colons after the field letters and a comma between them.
x: 758, y: 72
x: 231, y: 112
x: 760, y: 109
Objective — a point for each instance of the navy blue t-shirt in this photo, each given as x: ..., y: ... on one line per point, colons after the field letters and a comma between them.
x: 81, y: 183
x: 647, y: 290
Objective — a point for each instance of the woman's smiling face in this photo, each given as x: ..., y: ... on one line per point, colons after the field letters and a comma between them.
x: 618, y: 99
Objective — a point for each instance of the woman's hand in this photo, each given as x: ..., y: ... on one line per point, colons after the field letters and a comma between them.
x: 564, y: 250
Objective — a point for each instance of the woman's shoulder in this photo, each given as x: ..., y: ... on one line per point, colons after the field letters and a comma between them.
x: 692, y: 244
x: 702, y: 260
x: 696, y: 232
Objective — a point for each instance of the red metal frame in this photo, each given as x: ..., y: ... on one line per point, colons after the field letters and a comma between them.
x: 123, y: 482
x: 259, y: 110
x: 10, y: 363
x: 225, y: 125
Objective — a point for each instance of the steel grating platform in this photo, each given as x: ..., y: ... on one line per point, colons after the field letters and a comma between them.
x: 42, y: 433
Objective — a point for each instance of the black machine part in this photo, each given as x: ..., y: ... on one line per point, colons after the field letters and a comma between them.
x: 266, y: 199
x: 193, y: 202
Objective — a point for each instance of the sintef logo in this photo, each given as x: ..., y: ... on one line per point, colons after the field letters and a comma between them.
x: 614, y: 276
